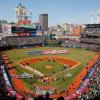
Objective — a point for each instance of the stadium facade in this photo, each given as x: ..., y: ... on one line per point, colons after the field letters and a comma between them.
x: 90, y: 37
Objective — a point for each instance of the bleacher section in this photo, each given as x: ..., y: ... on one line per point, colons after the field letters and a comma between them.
x: 72, y: 43
x: 7, y: 92
x: 89, y: 88
x: 21, y: 41
x: 90, y: 37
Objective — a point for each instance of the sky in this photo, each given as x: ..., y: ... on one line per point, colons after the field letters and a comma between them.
x: 59, y: 11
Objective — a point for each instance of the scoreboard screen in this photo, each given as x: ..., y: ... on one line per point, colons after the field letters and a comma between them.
x: 22, y: 30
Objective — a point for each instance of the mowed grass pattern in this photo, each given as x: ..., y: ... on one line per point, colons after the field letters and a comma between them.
x: 74, y: 53
x: 79, y: 55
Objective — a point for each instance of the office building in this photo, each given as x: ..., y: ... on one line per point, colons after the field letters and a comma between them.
x: 43, y: 20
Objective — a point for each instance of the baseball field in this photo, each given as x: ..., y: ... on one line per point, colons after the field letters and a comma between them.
x: 61, y: 69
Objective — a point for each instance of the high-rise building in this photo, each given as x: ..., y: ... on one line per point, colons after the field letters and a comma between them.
x: 43, y: 20
x: 23, y: 16
x: 76, y: 30
x: 20, y: 12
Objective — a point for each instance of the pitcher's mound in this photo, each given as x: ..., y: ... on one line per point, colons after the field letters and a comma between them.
x: 48, y: 66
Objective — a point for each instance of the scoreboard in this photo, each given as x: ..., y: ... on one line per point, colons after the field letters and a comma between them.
x: 15, y: 29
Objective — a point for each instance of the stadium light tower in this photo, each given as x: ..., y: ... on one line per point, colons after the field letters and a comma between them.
x: 30, y: 14
x: 98, y: 16
x: 21, y: 1
x: 92, y: 17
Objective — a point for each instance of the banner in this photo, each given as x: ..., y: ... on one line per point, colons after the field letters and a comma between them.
x: 6, y: 29
x: 48, y: 52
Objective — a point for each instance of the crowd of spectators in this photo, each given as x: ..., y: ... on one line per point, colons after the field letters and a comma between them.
x: 18, y: 41
x: 3, y: 92
x: 7, y: 92
x: 93, y: 86
x: 90, y: 37
x: 71, y: 43
x: 92, y: 29
x: 1, y: 81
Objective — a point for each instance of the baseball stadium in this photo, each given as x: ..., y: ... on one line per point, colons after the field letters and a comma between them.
x: 38, y: 66
x: 60, y: 71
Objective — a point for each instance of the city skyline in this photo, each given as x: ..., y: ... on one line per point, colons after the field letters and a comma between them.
x: 58, y: 11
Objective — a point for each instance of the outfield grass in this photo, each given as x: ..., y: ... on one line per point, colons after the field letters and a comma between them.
x: 79, y: 55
